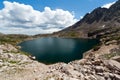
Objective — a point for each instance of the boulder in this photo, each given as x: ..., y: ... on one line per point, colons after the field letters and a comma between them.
x: 112, y: 65
x: 96, y: 62
x: 99, y: 69
x: 117, y: 58
x: 117, y: 77
x: 1, y: 51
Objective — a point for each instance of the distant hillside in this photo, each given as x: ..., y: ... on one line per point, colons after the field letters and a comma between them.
x: 99, y: 21
x: 13, y: 39
x: 1, y: 34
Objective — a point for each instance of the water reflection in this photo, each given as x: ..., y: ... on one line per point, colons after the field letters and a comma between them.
x: 52, y: 50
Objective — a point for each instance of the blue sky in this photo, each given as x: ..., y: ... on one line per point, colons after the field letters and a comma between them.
x: 80, y: 7
x: 44, y: 16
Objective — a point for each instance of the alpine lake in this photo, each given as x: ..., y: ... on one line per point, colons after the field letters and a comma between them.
x: 51, y: 50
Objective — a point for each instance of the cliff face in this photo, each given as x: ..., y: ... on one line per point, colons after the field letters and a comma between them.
x: 100, y: 19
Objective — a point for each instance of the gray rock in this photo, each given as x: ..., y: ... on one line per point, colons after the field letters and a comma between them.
x: 99, y: 69
x: 112, y: 64
x: 117, y: 77
x: 97, y: 62
x: 117, y: 58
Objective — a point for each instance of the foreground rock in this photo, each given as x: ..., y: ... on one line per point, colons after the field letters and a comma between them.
x: 17, y: 66
x: 100, y: 64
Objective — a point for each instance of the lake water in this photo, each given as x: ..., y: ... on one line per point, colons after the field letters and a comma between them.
x: 52, y: 50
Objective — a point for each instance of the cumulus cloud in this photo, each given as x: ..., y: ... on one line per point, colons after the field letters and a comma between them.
x: 23, y: 19
x: 108, y: 5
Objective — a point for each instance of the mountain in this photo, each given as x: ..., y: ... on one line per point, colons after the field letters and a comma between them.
x: 99, y: 21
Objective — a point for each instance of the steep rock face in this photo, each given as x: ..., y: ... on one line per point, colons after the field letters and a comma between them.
x: 100, y: 19
x: 96, y: 15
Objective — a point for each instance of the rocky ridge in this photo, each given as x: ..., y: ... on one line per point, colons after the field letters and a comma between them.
x: 100, y: 20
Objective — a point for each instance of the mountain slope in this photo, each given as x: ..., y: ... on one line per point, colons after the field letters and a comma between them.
x: 98, y: 21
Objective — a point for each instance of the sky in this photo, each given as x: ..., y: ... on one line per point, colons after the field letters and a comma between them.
x: 44, y: 16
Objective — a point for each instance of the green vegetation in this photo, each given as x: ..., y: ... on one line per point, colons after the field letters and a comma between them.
x: 70, y: 34
x: 13, y: 62
x: 12, y: 39
x: 10, y: 61
x: 95, y: 48
x: 114, y: 52
x: 56, y: 77
x: 112, y: 34
x: 73, y: 34
x: 22, y: 52
x: 110, y: 55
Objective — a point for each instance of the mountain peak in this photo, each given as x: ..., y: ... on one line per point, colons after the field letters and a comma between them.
x: 98, y: 19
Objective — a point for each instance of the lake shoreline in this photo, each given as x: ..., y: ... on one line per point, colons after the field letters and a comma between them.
x: 54, y: 38
x: 74, y: 70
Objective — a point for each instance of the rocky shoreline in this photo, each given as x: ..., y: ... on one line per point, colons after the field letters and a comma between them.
x: 102, y: 63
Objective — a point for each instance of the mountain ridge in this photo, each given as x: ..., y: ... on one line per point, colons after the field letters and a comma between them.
x: 99, y: 19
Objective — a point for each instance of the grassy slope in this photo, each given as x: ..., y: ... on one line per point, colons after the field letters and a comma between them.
x: 12, y: 39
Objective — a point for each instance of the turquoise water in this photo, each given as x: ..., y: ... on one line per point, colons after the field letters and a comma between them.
x: 52, y: 50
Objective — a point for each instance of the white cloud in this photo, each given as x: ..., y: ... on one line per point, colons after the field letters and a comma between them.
x: 81, y: 17
x: 108, y: 5
x: 21, y: 18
